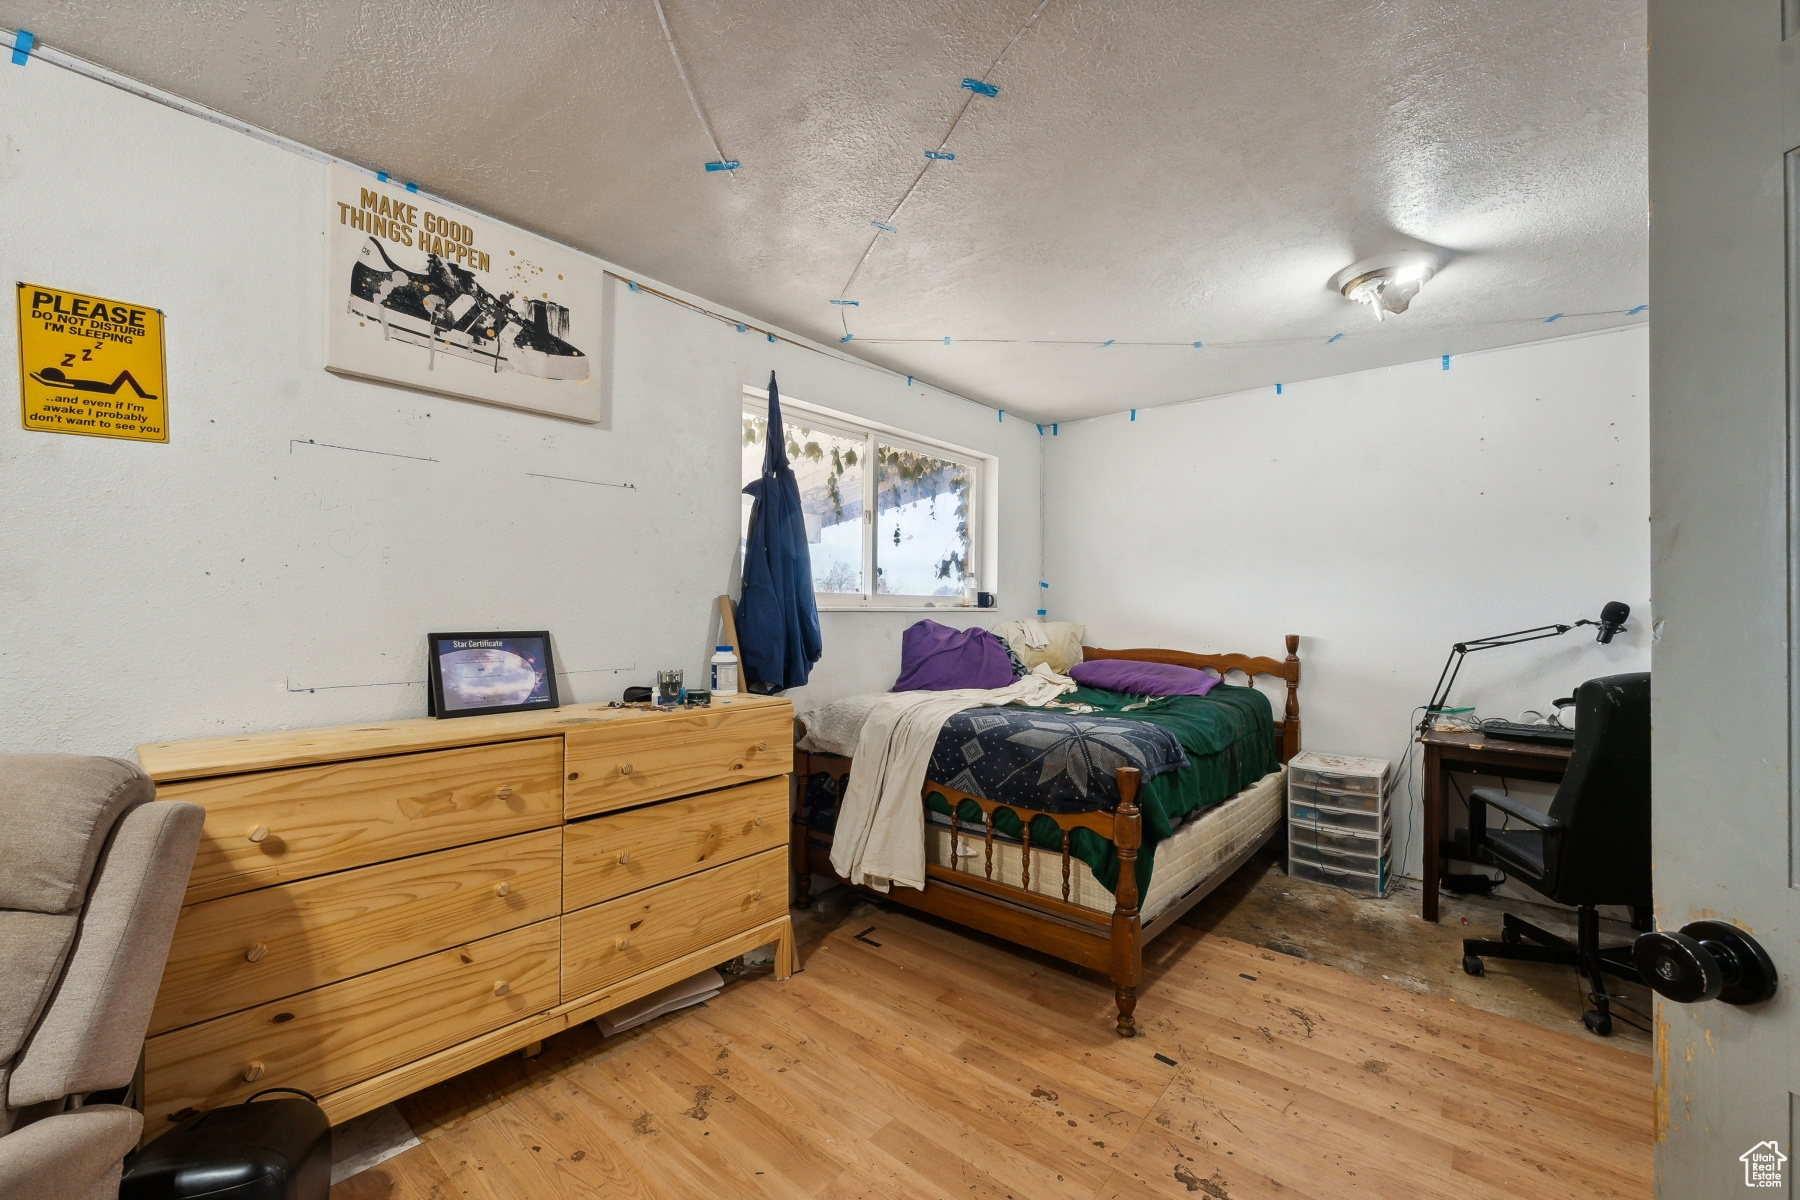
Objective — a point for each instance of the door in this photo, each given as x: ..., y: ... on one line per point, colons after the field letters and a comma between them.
x: 1724, y: 187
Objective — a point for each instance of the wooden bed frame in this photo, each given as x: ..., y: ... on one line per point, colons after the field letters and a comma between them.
x: 1068, y: 931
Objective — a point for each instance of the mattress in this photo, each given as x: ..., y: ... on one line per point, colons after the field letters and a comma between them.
x: 1216, y: 840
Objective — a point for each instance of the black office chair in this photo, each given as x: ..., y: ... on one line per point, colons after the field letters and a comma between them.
x: 1591, y: 848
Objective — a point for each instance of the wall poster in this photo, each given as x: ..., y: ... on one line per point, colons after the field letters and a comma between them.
x: 431, y: 297
x: 91, y: 366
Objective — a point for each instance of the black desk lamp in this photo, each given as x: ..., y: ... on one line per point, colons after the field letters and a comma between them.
x: 1612, y: 621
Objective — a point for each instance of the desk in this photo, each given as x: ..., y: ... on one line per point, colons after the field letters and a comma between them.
x: 1474, y: 754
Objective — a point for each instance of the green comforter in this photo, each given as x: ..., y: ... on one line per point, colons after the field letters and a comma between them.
x: 1229, y: 737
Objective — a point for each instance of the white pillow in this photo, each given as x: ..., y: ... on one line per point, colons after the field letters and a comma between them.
x: 1057, y: 643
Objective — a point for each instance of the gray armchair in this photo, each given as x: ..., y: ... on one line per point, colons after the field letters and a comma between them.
x: 92, y: 873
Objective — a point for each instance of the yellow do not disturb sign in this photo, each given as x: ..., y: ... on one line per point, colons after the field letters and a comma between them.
x: 91, y: 366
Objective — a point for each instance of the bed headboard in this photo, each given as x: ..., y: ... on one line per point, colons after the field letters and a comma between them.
x: 1287, y: 728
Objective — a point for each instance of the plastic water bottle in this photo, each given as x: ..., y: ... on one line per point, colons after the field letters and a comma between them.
x: 724, y: 670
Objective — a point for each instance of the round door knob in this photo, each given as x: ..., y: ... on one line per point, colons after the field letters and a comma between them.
x: 258, y: 833
x: 756, y: 820
x: 1706, y: 960
x: 624, y: 857
x: 762, y: 745
x: 757, y: 894
x: 624, y: 768
x: 503, y: 889
x: 623, y: 944
x: 501, y: 987
x: 253, y: 1072
x: 505, y: 792
x: 255, y: 953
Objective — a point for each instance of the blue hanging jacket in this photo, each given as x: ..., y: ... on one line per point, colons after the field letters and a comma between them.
x: 777, y: 619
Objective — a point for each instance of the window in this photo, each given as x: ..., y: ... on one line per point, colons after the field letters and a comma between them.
x: 892, y: 520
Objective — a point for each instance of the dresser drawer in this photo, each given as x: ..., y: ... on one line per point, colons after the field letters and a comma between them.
x: 242, y: 950
x: 276, y: 826
x: 627, y: 763
x: 609, y: 856
x: 615, y: 940
x: 331, y: 1037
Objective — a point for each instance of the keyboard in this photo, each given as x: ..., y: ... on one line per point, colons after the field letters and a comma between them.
x: 1513, y: 731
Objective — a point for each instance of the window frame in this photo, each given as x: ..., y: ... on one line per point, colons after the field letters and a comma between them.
x: 983, y: 496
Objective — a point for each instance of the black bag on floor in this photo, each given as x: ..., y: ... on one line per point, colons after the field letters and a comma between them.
x: 276, y: 1150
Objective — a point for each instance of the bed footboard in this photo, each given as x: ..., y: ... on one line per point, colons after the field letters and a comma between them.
x: 975, y: 897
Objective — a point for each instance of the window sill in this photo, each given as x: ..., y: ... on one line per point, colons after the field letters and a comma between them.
x: 905, y: 608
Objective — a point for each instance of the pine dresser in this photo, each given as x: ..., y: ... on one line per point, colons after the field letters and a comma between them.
x: 375, y: 908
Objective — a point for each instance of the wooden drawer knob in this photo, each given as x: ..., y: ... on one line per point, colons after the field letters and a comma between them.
x: 762, y: 746
x: 501, y: 987
x: 255, y: 953
x: 258, y: 833
x: 757, y: 894
x: 505, y: 792
x: 503, y: 889
x: 757, y: 820
x: 624, y: 768
x: 623, y: 944
x: 253, y: 1072
x: 624, y: 857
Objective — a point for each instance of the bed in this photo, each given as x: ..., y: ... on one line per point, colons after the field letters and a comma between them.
x: 1071, y: 874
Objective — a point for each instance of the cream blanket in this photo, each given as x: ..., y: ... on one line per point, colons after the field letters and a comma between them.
x: 880, y: 835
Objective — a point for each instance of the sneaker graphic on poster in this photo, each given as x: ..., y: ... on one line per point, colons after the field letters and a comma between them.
x: 1762, y: 1164
x: 445, y: 311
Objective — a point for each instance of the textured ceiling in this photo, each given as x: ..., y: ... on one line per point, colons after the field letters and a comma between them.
x: 1161, y: 171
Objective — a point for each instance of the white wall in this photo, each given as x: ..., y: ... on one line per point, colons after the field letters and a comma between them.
x: 233, y: 580
x: 1382, y: 516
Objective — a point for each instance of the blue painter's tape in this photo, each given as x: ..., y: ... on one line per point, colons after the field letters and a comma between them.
x: 1446, y: 362
x: 1553, y: 317
x: 1043, y: 612
x: 412, y: 187
x: 1108, y: 342
x: 771, y: 337
x: 845, y: 338
x: 1278, y: 389
x: 909, y: 381
x: 1134, y: 414
x: 980, y: 88
x: 884, y: 227
x: 1040, y: 431
x: 632, y: 284
x: 740, y: 327
x: 1053, y: 430
x: 23, y: 41
x: 381, y: 176
x: 1634, y: 312
x: 1197, y: 345
x: 939, y: 156
x: 730, y: 164
x: 1334, y: 337
x: 848, y: 303
x: 1002, y: 417
x: 946, y: 341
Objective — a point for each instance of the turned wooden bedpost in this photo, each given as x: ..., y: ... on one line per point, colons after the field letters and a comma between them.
x: 797, y: 857
x: 1290, y: 729
x: 1127, y: 929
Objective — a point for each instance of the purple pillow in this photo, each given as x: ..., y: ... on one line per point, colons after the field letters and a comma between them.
x: 1142, y: 678
x: 937, y: 658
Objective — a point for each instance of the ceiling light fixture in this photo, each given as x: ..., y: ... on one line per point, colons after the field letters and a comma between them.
x: 1388, y: 282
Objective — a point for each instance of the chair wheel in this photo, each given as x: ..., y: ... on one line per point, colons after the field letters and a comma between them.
x: 1510, y: 936
x: 1473, y: 965
x: 1597, y: 1023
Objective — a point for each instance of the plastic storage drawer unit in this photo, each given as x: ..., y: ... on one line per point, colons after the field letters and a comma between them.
x: 1338, y: 821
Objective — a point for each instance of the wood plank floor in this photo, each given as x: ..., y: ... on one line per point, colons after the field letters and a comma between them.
x: 904, y: 1069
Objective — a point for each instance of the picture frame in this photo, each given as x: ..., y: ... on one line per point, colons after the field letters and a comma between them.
x: 478, y: 674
